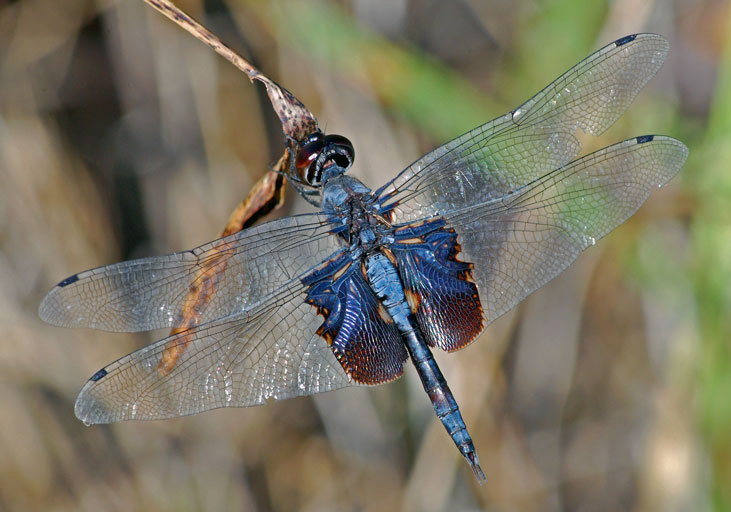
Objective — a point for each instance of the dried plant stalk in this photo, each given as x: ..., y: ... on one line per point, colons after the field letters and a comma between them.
x: 268, y: 193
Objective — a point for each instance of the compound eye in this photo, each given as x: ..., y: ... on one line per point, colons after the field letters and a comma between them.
x: 307, y: 155
x: 344, y: 151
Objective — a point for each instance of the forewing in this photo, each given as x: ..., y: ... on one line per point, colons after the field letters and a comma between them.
x: 270, y: 351
x: 521, y: 241
x: 512, y: 150
x: 226, y: 276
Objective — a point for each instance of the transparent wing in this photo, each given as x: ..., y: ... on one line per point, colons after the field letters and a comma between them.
x: 269, y: 351
x: 523, y: 240
x: 215, y: 280
x: 517, y: 148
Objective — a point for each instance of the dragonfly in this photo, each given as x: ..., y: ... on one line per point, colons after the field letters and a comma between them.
x: 344, y: 296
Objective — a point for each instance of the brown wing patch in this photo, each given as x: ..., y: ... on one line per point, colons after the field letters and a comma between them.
x: 439, y: 288
x: 356, y: 326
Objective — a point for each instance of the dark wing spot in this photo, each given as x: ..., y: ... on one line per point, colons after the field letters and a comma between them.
x: 645, y: 138
x: 98, y: 375
x: 68, y: 280
x: 624, y: 40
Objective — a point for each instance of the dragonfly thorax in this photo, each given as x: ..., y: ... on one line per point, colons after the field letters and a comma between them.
x: 343, y: 194
x: 354, y: 210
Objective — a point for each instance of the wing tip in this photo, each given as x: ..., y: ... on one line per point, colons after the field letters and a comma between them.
x: 670, y: 160
x: 665, y: 139
x: 49, y: 310
x: 91, y: 408
x: 56, y: 308
x: 680, y: 150
x: 679, y: 158
x: 90, y: 411
x: 639, y: 36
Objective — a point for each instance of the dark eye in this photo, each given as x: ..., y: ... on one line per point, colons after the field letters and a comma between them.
x: 318, y: 152
x: 345, y: 154
x: 307, y: 154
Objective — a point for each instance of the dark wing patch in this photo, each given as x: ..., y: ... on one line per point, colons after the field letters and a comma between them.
x: 68, y: 280
x: 360, y: 333
x: 439, y: 288
x: 99, y: 375
x: 626, y: 39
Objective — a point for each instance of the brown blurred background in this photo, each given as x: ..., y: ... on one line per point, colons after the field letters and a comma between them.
x: 122, y: 136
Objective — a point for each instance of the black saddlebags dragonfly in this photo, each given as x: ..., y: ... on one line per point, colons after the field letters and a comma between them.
x: 343, y: 297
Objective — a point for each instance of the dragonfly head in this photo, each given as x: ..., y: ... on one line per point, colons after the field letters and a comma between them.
x: 320, y: 152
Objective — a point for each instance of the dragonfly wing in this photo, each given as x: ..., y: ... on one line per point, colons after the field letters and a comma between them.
x: 269, y: 351
x: 521, y: 241
x: 215, y: 280
x: 512, y: 150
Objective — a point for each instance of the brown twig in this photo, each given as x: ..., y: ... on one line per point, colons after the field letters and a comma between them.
x: 297, y: 120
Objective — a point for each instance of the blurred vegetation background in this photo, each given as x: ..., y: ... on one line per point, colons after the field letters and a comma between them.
x: 122, y: 136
